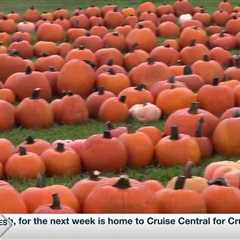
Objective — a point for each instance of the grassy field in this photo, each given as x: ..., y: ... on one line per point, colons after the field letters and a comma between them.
x: 81, y: 131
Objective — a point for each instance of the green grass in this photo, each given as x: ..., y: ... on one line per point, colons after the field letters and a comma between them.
x: 17, y: 135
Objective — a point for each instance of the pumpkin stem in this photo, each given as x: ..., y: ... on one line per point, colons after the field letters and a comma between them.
x: 22, y: 151
x: 194, y: 108
x: 172, y: 79
x: 69, y: 93
x: 107, y: 134
x: 123, y: 182
x: 92, y: 64
x: 14, y: 53
x: 28, y: 70
x: 111, y: 71
x: 51, y: 69
x: 100, y: 90
x: 133, y: 47
x: 236, y: 114
x: 215, y: 82
x: 110, y: 62
x: 179, y: 184
x: 109, y: 125
x: 199, y: 130
x: 218, y: 181
x: 206, y: 58
x: 41, y: 181
x: 150, y: 61
x: 188, y: 169
x: 193, y: 43
x: 140, y: 26
x: 140, y: 87
x: 115, y: 34
x: 36, y: 93
x: 56, y: 204
x: 122, y: 99
x: 174, y: 133
x: 222, y: 34
x: 187, y: 70
x: 60, y: 147
x: 94, y: 175
x: 30, y: 140
x: 81, y: 47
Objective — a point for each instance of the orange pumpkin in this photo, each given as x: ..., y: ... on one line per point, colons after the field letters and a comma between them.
x: 64, y: 49
x: 110, y: 65
x: 216, y: 98
x: 220, y: 55
x: 52, y: 76
x: 74, y: 33
x: 168, y: 29
x: 136, y: 95
x: 114, y: 109
x: 7, y: 115
x: 7, y: 95
x: 139, y: 148
x: 7, y: 148
x: 109, y: 148
x: 55, y: 208
x: 114, y: 18
x: 22, y: 84
x: 187, y: 119
x: 177, y: 149
x: 24, y: 165
x: 183, y: 7
x: 153, y: 133
x: 220, y: 17
x: 23, y: 47
x: 34, y: 112
x: 7, y: 25
x: 99, y: 30
x: 32, y: 14
x: 233, y: 72
x: 45, y: 47
x: 76, y: 76
x: 114, y: 40
x: 233, y: 25
x: 148, y: 73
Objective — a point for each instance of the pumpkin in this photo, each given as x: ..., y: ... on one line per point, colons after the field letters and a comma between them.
x: 26, y: 27
x: 64, y: 114
x: 64, y: 49
x: 139, y: 148
x: 81, y: 54
x: 145, y: 112
x: 104, y: 55
x: 225, y: 137
x: 34, y: 112
x: 220, y: 17
x: 23, y: 47
x: 31, y: 14
x: 10, y: 64
x: 229, y: 113
x: 146, y: 7
x: 220, y: 55
x: 221, y: 198
x: 208, y: 69
x: 233, y: 25
x: 168, y: 29
x: 192, y: 33
x: 7, y: 148
x: 92, y: 42
x: 24, y: 165
x: 114, y: 40
x: 7, y: 25
x: 193, y: 52
x: 135, y: 57
x: 166, y: 54
x: 186, y: 119
x: 76, y: 76
x: 95, y: 21
x: 129, y: 11
x: 61, y: 13
x: 173, y: 99
x: 148, y: 16
x: 184, y: 18
x: 45, y: 47
x: 22, y: 84
x: 169, y: 17
x: 124, y: 30
x: 63, y: 22
x: 225, y: 5
x: 80, y: 21
x: 120, y: 197
x: 204, y: 17
x: 114, y: 18
x: 7, y: 115
x: 99, y: 30
x: 194, y: 183
x: 153, y: 133
x: 109, y: 148
x: 52, y: 76
x: 115, y: 131
x: 110, y: 65
x: 55, y: 208
x: 136, y: 95
x: 233, y: 72
x: 7, y: 95
x: 73, y: 33
x: 148, y: 73
x: 114, y: 109
x: 212, y: 29
x: 205, y: 144
x: 147, y: 24
x: 193, y: 81
x: 83, y: 187
x: 96, y: 99
x: 183, y: 7
x: 177, y: 149
x: 112, y: 81
x: 5, y: 38
x: 37, y: 146
x: 3, y: 49
x: 61, y: 161
x: 163, y: 204
x: 165, y: 8
x: 142, y: 36
x: 12, y: 202
x: 14, y: 16
x: 210, y: 100
x: 223, y: 40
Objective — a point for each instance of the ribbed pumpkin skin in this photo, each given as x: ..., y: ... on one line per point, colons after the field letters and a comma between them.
x: 78, y: 77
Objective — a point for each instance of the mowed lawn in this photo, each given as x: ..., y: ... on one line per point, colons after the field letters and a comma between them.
x: 18, y: 135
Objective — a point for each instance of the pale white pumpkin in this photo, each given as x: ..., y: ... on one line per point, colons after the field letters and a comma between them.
x: 145, y: 112
x: 184, y: 18
x: 26, y: 27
